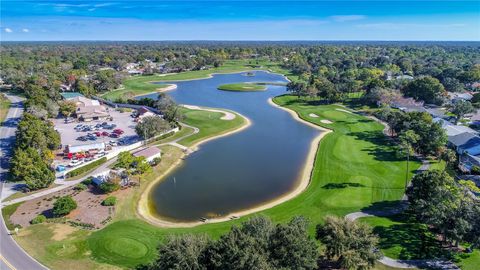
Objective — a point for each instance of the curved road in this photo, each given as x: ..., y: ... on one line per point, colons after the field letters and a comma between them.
x: 12, y: 256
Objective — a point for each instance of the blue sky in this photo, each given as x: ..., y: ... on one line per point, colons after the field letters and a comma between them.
x: 239, y: 20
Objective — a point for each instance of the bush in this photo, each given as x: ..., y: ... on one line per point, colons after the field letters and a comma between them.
x: 475, y: 170
x: 64, y: 205
x: 156, y: 161
x: 80, y: 187
x: 86, y: 168
x: 88, y: 181
x: 108, y: 187
x: 110, y: 201
x: 38, y: 219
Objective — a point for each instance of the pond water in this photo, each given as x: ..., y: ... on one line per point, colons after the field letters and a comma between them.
x: 239, y: 171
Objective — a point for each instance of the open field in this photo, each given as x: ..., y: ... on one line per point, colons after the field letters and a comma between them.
x: 242, y: 87
x: 141, y: 85
x: 355, y: 168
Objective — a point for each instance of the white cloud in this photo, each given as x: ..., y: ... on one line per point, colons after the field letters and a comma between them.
x: 8, y: 30
x: 396, y: 26
x: 25, y: 30
x: 347, y: 18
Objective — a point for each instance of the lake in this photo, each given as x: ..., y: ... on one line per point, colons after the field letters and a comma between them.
x: 239, y: 171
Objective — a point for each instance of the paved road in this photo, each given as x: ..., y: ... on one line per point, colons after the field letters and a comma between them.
x: 12, y: 256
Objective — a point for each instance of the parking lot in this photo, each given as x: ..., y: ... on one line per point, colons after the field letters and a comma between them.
x: 123, y: 121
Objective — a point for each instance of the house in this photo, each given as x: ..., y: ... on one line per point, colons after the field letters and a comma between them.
x: 453, y: 130
x: 465, y: 143
x: 456, y: 97
x: 407, y: 104
x: 92, y: 147
x: 149, y: 153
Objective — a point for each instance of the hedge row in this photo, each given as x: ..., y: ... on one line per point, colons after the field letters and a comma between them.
x: 86, y: 168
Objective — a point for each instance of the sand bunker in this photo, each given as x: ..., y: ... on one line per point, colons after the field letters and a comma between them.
x: 313, y: 115
x: 326, y: 121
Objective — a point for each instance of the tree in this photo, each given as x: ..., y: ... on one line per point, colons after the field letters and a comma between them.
x: 427, y: 89
x: 64, y: 205
x: 168, y: 107
x: 67, y: 108
x: 181, y: 252
x: 460, y: 108
x: 407, y: 141
x: 351, y: 244
x: 298, y: 88
x: 151, y: 126
x: 142, y: 166
x: 125, y: 160
x: 29, y: 166
x: 449, y: 156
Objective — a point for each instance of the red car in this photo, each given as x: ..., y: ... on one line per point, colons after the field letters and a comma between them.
x: 118, y: 131
x: 105, y: 133
x: 98, y: 133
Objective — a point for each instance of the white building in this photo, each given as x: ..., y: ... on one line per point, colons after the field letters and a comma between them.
x: 149, y: 153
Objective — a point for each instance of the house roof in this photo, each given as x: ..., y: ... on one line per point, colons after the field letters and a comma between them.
x: 82, y: 101
x: 148, y: 152
x: 453, y: 130
x: 465, y: 140
x: 70, y: 95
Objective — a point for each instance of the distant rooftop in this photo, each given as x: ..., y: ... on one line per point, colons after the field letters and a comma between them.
x: 70, y: 95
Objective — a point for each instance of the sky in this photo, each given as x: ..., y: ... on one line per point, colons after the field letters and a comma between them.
x: 239, y: 20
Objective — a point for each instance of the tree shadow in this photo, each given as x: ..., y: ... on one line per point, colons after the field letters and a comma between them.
x: 342, y: 185
x: 382, y: 148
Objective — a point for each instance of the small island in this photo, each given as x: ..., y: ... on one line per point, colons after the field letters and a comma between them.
x: 244, y: 87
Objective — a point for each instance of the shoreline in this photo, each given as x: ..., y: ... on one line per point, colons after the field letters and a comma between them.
x: 303, y: 183
x: 143, y: 209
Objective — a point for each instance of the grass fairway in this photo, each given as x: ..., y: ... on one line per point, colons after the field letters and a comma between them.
x: 209, y: 124
x: 242, y: 87
x: 142, y: 85
x: 355, y: 168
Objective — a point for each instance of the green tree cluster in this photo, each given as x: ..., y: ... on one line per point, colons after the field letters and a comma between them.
x: 64, y: 205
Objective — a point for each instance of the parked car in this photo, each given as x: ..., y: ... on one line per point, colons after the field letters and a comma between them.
x: 118, y: 131
x: 111, y: 126
x: 105, y: 133
x: 82, y: 138
x: 75, y: 162
x: 98, y: 133
x: 69, y: 120
x: 114, y: 135
x: 113, y: 143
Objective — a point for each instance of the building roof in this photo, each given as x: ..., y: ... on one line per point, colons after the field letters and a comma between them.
x: 92, y: 111
x: 465, y: 140
x: 85, y: 147
x: 407, y: 104
x: 70, y: 95
x: 82, y: 101
x: 453, y: 130
x: 148, y: 152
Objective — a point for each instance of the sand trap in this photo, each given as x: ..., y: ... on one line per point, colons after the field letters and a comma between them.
x: 227, y: 115
x: 342, y: 110
x: 313, y: 115
x: 325, y: 121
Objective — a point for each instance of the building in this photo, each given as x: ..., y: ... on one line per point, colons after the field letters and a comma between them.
x: 456, y: 97
x: 453, y: 130
x: 143, y: 112
x: 109, y: 174
x: 149, y: 153
x: 70, y: 95
x: 465, y: 143
x: 407, y: 104
x: 92, y: 147
x: 89, y: 109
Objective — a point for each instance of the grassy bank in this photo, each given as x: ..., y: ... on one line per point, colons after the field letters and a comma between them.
x: 242, y: 87
x: 355, y: 168
x: 142, y: 85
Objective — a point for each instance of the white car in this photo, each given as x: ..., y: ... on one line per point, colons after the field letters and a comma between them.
x: 75, y: 162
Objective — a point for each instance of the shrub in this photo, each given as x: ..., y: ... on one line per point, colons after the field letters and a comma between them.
x: 64, y: 205
x: 86, y: 168
x: 108, y: 187
x: 38, y: 219
x: 110, y: 201
x: 80, y: 187
x: 156, y: 161
x: 475, y: 170
x: 88, y: 181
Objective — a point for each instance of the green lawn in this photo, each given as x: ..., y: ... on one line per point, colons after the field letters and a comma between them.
x: 243, y: 87
x: 7, y: 211
x: 209, y: 124
x: 355, y: 168
x: 4, y: 106
x: 141, y: 85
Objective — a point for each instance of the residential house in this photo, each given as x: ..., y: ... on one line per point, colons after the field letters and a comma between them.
x: 453, y: 130
x: 456, y: 97
x: 465, y: 143
x: 407, y: 104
